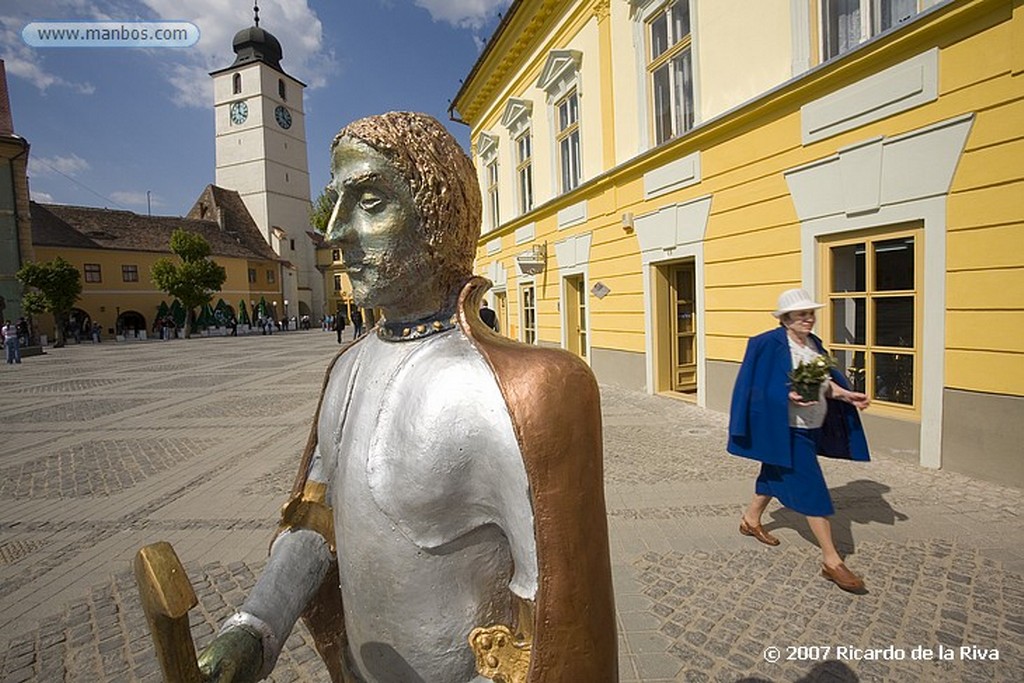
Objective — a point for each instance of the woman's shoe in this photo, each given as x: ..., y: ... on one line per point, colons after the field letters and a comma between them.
x: 757, y: 532
x: 844, y: 578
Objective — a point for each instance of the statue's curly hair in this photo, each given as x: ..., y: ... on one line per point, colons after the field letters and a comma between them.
x: 441, y: 178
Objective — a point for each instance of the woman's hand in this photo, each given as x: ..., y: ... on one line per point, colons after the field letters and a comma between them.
x: 854, y: 398
x: 799, y: 400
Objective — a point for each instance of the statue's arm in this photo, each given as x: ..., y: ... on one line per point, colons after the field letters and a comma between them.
x: 249, y: 642
x: 503, y: 650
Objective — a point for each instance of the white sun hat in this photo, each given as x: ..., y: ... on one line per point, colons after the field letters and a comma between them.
x: 795, y: 300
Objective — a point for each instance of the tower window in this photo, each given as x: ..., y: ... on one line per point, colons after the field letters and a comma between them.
x: 291, y: 243
x: 236, y: 84
x: 281, y: 90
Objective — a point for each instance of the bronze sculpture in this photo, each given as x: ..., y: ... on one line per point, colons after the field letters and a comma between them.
x: 447, y: 522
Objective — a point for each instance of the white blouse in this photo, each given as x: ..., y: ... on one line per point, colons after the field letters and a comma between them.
x: 812, y: 416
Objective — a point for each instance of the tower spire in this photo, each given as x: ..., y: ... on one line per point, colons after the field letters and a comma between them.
x: 256, y: 12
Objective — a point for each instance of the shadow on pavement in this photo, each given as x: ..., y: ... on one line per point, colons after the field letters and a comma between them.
x: 859, y: 501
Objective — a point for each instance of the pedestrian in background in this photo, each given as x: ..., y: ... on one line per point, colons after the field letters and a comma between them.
x: 11, y: 343
x: 339, y: 324
x: 489, y: 317
x: 772, y: 423
x: 357, y: 323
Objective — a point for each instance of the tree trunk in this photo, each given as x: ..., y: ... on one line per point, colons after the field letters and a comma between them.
x: 61, y: 320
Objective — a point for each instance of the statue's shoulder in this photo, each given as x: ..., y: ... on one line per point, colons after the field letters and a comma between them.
x: 547, y: 373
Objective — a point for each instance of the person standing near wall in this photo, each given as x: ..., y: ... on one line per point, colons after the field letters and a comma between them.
x: 11, y: 343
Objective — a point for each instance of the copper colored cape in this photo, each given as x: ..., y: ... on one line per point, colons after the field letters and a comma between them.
x: 554, y: 404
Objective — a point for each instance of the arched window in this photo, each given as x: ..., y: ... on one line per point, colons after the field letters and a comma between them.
x: 281, y: 90
x: 236, y: 84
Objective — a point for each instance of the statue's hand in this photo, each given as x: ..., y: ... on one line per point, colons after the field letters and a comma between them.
x: 235, y: 656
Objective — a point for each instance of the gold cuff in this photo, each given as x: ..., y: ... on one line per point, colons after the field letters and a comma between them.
x: 309, y: 511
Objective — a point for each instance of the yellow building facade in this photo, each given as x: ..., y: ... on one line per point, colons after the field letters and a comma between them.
x: 655, y: 173
x: 114, y: 251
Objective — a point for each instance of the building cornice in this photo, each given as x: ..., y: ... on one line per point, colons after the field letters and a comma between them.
x: 505, y: 50
x: 867, y: 58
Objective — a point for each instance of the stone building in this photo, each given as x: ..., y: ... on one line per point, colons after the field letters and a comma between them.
x: 655, y: 172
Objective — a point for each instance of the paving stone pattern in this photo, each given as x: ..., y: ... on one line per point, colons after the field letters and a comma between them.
x: 105, y: 448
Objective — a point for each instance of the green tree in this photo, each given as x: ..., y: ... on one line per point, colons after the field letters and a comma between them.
x: 195, y: 279
x: 55, y: 287
x: 321, y: 209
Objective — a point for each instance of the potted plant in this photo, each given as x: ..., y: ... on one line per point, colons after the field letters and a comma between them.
x: 806, y: 379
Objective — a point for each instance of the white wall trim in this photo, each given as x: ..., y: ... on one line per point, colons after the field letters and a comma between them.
x: 915, y: 173
x: 572, y: 215
x: 572, y: 256
x: 525, y: 233
x: 487, y: 146
x: 493, y: 246
x: 800, y: 29
x: 672, y: 176
x: 517, y: 116
x: 672, y: 233
x: 896, y: 89
x: 560, y: 73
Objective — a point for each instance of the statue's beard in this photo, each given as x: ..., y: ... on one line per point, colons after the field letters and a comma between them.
x: 392, y: 282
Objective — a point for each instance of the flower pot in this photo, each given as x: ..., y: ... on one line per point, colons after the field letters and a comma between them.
x: 808, y: 392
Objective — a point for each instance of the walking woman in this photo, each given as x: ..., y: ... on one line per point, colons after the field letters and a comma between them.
x: 771, y: 423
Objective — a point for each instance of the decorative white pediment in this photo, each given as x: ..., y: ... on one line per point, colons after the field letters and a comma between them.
x: 486, y: 145
x: 559, y: 71
x: 517, y: 115
x: 573, y: 253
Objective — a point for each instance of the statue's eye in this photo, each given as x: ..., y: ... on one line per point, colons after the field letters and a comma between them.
x: 371, y: 202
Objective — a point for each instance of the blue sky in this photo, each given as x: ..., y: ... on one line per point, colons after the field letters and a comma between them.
x: 107, y: 125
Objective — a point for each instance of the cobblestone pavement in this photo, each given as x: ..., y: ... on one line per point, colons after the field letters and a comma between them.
x: 105, y: 448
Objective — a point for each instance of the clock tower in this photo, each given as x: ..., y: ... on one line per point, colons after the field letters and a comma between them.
x: 261, y: 153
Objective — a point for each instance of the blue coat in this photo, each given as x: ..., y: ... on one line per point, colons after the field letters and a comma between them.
x: 759, y: 416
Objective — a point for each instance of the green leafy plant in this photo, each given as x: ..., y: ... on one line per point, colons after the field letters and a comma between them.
x: 54, y: 287
x: 195, y: 279
x: 808, y: 376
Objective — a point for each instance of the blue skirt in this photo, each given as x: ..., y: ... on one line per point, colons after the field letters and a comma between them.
x: 802, y: 487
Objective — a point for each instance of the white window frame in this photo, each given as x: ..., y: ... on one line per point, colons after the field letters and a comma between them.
x: 518, y: 120
x: 559, y: 79
x: 654, y: 64
x: 567, y: 142
x: 869, y: 24
x: 493, y: 204
x: 487, y: 151
x: 641, y: 12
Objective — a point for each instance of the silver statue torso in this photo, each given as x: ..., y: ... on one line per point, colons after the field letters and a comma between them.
x: 431, y: 502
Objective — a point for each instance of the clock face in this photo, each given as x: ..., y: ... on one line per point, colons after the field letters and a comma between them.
x: 239, y: 113
x: 283, y: 116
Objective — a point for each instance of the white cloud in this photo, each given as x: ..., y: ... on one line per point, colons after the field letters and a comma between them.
x: 21, y: 61
x: 471, y: 14
x: 70, y: 165
x: 293, y: 22
x: 136, y: 198
x: 42, y: 197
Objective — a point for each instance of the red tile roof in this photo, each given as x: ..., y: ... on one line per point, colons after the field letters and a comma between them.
x: 236, y: 235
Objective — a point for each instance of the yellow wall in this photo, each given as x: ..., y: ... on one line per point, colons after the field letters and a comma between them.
x: 103, y: 300
x: 752, y: 244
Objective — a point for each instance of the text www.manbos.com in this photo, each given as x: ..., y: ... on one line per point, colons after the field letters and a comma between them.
x: 110, y: 34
